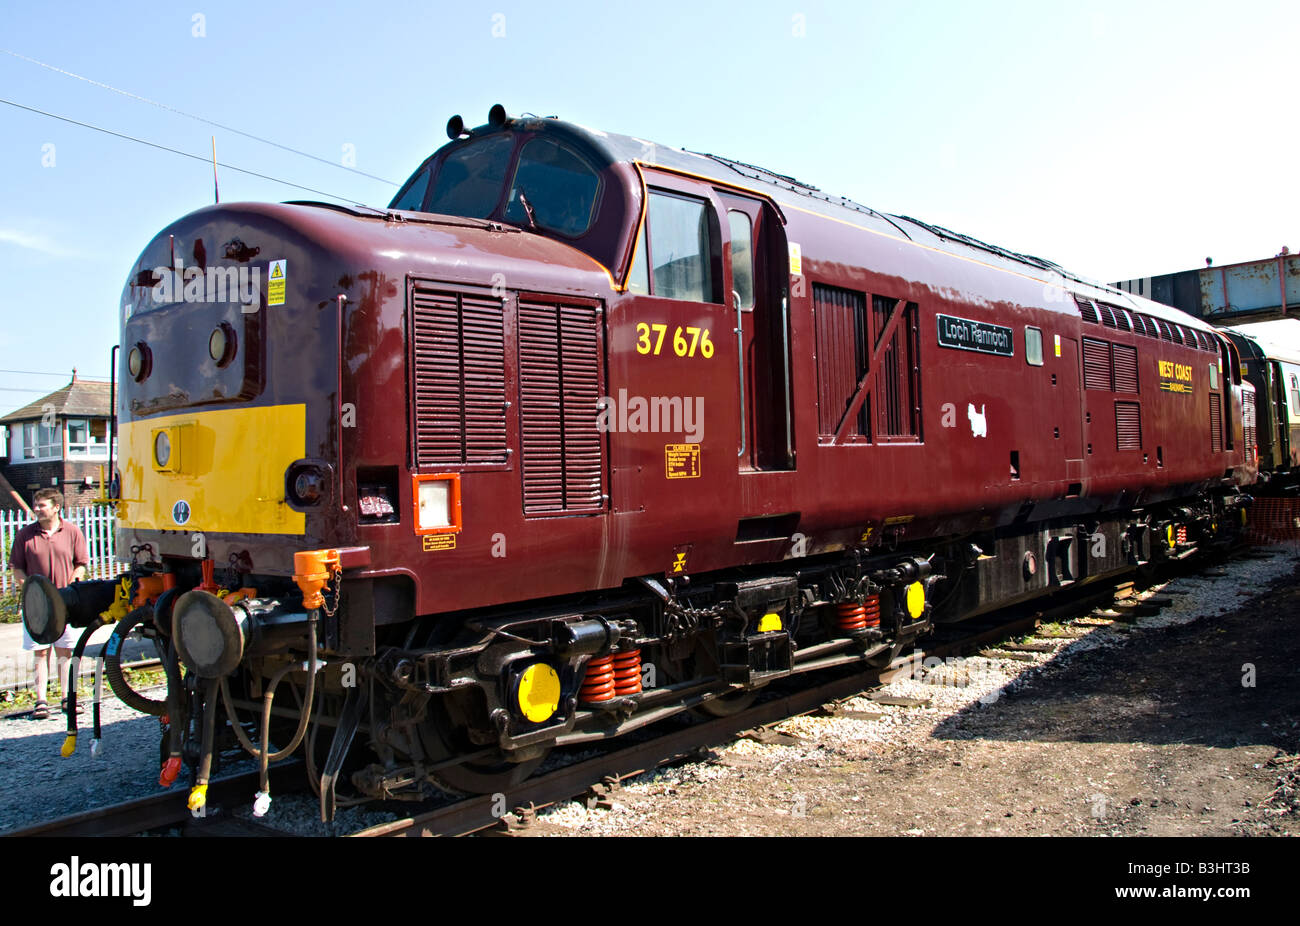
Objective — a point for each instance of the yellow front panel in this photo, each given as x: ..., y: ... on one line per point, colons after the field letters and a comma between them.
x: 231, y: 477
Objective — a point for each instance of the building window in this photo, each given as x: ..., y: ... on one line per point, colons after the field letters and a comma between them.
x: 41, y: 441
x: 88, y: 437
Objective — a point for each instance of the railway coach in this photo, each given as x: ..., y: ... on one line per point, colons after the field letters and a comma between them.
x: 1270, y: 353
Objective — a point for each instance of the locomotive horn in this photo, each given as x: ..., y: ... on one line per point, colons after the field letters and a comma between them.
x: 455, y: 127
x: 497, y: 116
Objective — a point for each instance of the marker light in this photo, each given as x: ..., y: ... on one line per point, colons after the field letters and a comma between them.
x: 437, y: 503
x: 169, y: 447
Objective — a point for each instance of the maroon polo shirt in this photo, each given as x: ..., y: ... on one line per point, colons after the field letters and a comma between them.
x: 54, y: 556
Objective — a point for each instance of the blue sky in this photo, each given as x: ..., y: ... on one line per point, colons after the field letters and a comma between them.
x: 1118, y: 139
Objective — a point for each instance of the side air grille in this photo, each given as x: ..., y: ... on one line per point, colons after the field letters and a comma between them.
x: 1096, y: 364
x: 1216, y: 422
x: 1248, y: 421
x: 1126, y: 368
x: 1128, y: 426
x: 559, y: 387
x: 458, y: 343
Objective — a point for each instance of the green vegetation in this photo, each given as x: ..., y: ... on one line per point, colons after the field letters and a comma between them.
x: 22, y: 699
x: 11, y: 611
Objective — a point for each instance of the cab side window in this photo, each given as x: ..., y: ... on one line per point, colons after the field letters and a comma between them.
x: 742, y: 257
x: 676, y: 262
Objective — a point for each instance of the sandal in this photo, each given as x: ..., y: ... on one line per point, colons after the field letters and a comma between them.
x: 41, y: 711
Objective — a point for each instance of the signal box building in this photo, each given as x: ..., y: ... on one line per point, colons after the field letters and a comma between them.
x: 60, y: 441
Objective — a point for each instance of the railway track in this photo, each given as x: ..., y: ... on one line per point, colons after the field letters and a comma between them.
x: 508, y: 813
x: 167, y: 809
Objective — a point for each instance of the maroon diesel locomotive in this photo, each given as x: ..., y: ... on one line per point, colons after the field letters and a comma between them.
x: 582, y: 431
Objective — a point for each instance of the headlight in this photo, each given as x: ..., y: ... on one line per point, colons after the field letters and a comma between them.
x: 139, y: 361
x: 162, y: 449
x: 221, y: 344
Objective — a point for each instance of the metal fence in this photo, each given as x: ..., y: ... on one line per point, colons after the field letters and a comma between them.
x: 96, y: 523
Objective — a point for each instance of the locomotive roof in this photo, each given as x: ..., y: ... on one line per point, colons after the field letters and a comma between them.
x: 790, y: 192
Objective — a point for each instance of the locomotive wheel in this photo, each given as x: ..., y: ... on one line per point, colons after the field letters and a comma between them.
x: 443, y: 739
x: 485, y: 777
x: 728, y: 705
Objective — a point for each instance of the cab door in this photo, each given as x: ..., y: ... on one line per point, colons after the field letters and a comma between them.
x: 758, y: 299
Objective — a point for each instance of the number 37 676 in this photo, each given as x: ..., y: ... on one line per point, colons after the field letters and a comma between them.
x: 687, y: 342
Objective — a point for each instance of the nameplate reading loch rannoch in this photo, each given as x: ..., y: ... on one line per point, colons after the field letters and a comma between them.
x: 964, y: 334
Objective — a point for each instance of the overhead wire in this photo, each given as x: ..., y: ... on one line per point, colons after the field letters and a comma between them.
x: 181, y: 112
x: 185, y: 154
x: 37, y: 373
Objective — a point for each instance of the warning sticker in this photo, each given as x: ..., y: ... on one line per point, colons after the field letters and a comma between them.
x: 796, y: 259
x: 439, y: 542
x: 682, y: 461
x: 1057, y: 344
x: 275, y: 283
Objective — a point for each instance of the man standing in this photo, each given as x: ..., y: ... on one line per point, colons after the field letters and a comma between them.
x: 56, y: 549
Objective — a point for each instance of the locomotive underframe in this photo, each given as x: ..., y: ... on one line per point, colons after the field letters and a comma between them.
x: 435, y: 698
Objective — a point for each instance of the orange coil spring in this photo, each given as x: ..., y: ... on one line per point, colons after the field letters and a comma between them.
x: 599, y: 683
x: 1182, y: 534
x: 627, y: 673
x: 851, y: 616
